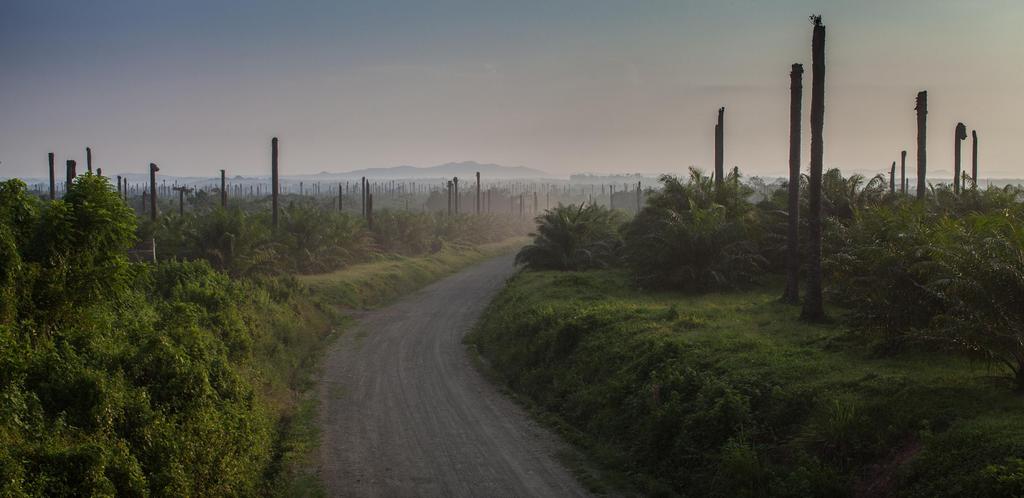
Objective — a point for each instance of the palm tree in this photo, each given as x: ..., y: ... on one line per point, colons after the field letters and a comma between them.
x: 813, y: 304
x: 959, y: 134
x: 922, y: 139
x: 792, y: 293
x: 573, y: 238
x: 720, y: 149
x: 903, y: 172
x: 974, y: 157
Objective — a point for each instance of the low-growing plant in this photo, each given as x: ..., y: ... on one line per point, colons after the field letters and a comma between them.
x: 573, y: 238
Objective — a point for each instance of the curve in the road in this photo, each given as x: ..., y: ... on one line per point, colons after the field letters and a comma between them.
x: 403, y: 412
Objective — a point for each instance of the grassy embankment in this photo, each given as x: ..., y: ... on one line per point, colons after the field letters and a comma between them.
x: 320, y: 310
x: 729, y: 394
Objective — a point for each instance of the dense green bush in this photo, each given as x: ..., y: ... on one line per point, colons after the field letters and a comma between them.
x: 685, y: 239
x: 573, y: 238
x: 120, y: 379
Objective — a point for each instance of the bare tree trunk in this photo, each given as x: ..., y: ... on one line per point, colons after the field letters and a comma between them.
x: 478, y: 192
x: 153, y: 168
x: 275, y: 185
x: 974, y: 157
x: 223, y: 191
x: 796, y: 91
x: 922, y: 144
x: 720, y: 149
x: 53, y: 184
x: 892, y: 178
x: 903, y: 172
x: 88, y: 159
x: 71, y: 173
x: 813, y: 302
x: 959, y: 134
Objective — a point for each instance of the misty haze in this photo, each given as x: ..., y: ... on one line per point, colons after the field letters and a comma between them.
x: 474, y: 249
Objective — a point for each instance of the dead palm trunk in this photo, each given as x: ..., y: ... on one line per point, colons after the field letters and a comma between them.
x: 959, y: 134
x: 88, y: 159
x: 223, y: 191
x: 274, y: 180
x: 153, y: 168
x: 71, y: 173
x: 53, y: 185
x: 478, y: 192
x: 720, y: 149
x: 892, y: 178
x: 813, y: 302
x: 903, y: 172
x: 363, y: 193
x: 922, y: 144
x: 974, y: 157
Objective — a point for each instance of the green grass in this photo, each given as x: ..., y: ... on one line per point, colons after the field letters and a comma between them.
x: 730, y: 394
x: 288, y: 363
x: 369, y: 285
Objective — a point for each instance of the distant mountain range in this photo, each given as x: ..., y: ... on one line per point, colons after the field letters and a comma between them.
x: 464, y: 169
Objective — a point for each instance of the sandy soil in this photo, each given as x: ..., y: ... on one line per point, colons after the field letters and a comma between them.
x: 404, y: 412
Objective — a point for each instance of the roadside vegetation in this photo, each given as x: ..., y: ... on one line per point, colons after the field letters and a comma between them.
x: 678, y: 365
x: 183, y: 377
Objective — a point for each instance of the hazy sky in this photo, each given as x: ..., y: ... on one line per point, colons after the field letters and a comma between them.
x: 564, y: 86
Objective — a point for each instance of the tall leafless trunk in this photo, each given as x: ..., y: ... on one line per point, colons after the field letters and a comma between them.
x: 922, y: 144
x: 892, y: 178
x: 974, y: 157
x: 813, y: 302
x: 275, y: 185
x: 88, y: 159
x: 153, y: 168
x: 720, y: 149
x: 71, y: 174
x: 796, y: 91
x: 53, y: 184
x: 223, y: 190
x: 477, y: 192
x: 903, y: 172
x: 959, y: 134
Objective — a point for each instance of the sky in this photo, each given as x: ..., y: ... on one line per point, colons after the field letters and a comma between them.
x: 565, y: 86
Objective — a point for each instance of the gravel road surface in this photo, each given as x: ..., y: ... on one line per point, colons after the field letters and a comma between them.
x: 403, y: 411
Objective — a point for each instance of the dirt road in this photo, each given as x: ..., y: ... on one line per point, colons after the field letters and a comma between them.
x: 404, y: 412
